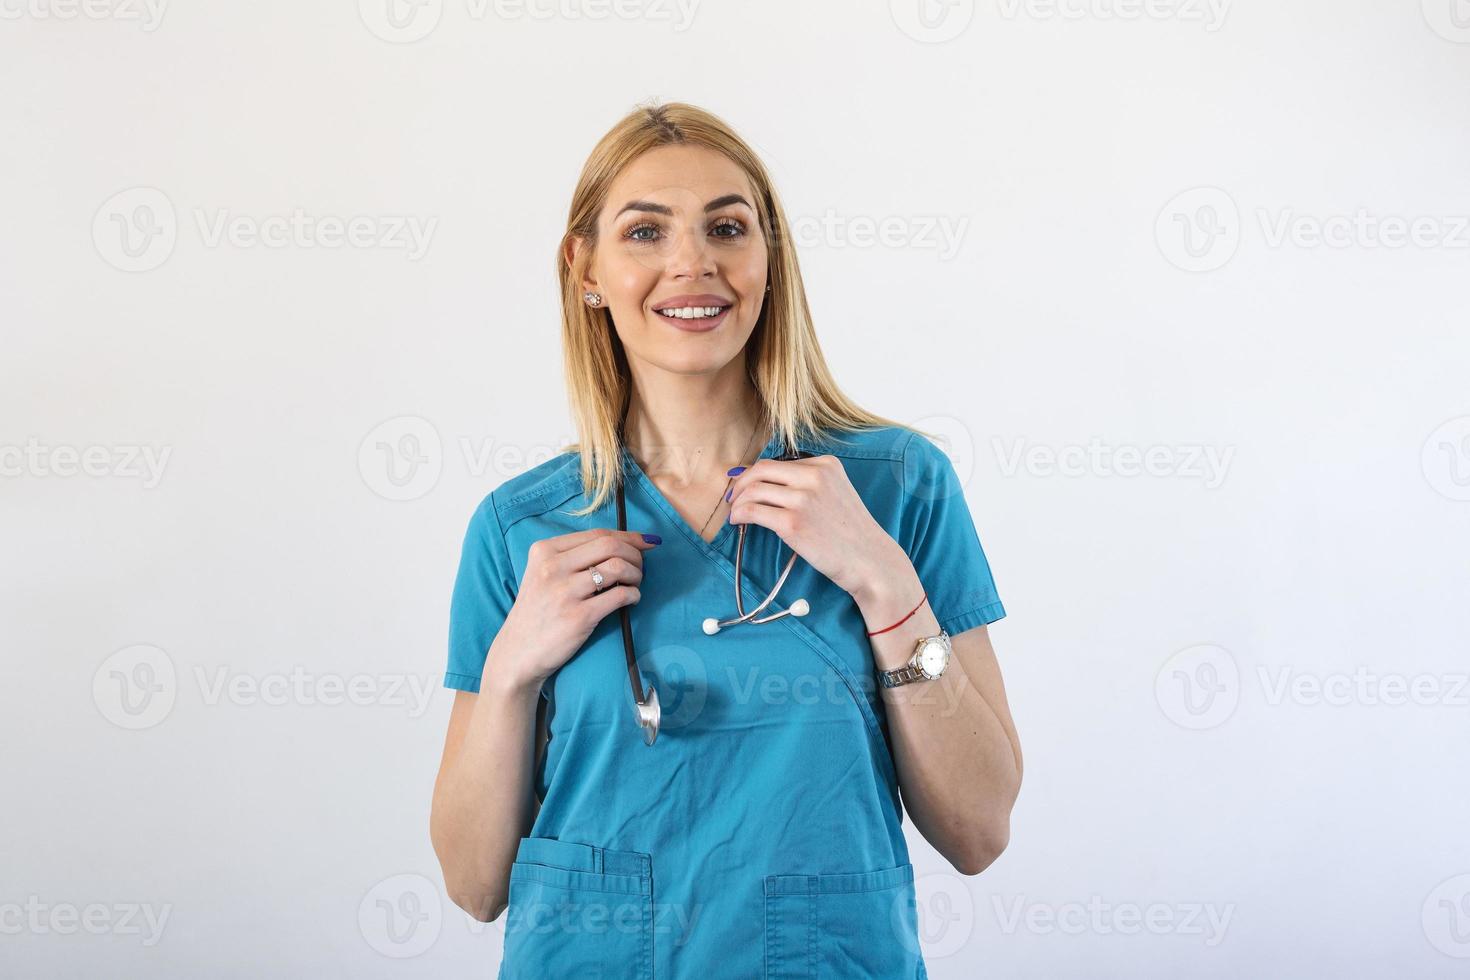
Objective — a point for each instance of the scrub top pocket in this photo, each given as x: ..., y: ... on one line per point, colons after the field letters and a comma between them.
x: 842, y: 925
x: 578, y: 910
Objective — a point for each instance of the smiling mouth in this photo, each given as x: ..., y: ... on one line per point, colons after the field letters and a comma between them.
x: 692, y: 312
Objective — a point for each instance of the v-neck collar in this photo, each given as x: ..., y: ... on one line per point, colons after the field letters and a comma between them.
x: 774, y: 447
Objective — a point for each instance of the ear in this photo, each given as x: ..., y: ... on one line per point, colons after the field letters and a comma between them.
x: 570, y: 249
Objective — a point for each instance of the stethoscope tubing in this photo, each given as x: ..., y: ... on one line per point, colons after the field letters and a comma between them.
x: 646, y: 710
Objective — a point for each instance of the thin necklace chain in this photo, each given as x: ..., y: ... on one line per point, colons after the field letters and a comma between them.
x: 732, y: 479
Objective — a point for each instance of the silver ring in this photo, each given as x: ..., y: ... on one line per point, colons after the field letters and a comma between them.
x: 596, y: 581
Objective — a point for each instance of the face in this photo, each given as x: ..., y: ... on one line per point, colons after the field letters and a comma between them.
x: 679, y: 233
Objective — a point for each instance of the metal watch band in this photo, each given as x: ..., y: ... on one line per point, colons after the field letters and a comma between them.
x: 906, y: 674
x: 911, y: 671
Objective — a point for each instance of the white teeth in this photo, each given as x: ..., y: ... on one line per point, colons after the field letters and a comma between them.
x: 692, y: 312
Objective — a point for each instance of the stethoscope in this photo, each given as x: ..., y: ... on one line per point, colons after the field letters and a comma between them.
x: 645, y: 704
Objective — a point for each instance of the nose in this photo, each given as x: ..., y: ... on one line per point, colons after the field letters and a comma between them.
x: 691, y: 257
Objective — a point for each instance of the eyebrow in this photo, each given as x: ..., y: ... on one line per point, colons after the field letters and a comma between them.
x: 714, y: 205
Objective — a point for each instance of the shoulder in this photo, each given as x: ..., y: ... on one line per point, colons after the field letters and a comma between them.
x: 899, y: 472
x: 533, y: 492
x: 908, y: 454
x: 876, y: 462
x: 885, y: 443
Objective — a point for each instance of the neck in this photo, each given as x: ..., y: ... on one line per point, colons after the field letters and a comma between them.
x: 691, y: 427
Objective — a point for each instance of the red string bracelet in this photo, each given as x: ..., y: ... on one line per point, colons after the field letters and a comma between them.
x: 901, y: 621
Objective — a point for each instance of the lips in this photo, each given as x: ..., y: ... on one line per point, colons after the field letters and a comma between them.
x: 699, y: 322
x: 694, y: 312
x: 692, y: 299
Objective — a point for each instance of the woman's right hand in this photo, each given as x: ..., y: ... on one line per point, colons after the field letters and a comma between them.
x: 558, y: 606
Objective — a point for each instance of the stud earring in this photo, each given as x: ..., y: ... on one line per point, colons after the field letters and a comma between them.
x: 593, y: 299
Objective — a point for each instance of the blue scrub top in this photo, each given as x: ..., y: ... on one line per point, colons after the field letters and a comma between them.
x: 760, y: 835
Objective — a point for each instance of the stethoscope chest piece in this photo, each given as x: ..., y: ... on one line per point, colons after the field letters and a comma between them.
x: 648, y: 715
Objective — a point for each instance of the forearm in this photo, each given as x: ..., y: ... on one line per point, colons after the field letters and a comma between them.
x: 958, y: 768
x: 483, y: 803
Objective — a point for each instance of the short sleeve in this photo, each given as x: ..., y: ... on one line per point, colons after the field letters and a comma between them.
x: 939, y: 536
x: 484, y: 590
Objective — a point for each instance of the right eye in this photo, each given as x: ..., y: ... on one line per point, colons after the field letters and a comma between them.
x: 632, y: 233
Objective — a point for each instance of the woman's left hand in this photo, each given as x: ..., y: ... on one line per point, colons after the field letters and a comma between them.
x: 811, y: 505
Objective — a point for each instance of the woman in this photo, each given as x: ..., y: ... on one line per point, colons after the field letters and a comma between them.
x: 759, y: 834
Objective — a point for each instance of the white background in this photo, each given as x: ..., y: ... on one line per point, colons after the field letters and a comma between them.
x: 1165, y: 630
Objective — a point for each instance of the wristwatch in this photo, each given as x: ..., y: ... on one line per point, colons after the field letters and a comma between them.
x: 931, y: 656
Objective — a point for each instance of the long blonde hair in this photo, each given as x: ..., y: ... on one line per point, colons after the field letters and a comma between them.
x: 799, y: 398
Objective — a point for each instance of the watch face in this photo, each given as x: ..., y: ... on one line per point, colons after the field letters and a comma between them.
x: 933, y: 658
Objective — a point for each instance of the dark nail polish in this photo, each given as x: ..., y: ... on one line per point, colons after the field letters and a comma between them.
x: 736, y: 471
x: 728, y: 492
x: 653, y: 539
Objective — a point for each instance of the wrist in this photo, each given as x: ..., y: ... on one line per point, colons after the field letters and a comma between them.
x: 889, y: 590
x: 500, y: 676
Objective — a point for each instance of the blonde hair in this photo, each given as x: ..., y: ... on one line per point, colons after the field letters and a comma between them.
x: 799, y: 399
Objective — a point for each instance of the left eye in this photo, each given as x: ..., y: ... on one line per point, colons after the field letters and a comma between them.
x: 728, y: 224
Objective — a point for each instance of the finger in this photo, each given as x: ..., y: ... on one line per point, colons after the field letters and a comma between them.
x: 614, y: 598
x: 774, y: 519
x: 614, y: 572
x: 566, y: 542
x: 784, y: 472
x: 600, y: 548
x: 774, y: 494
